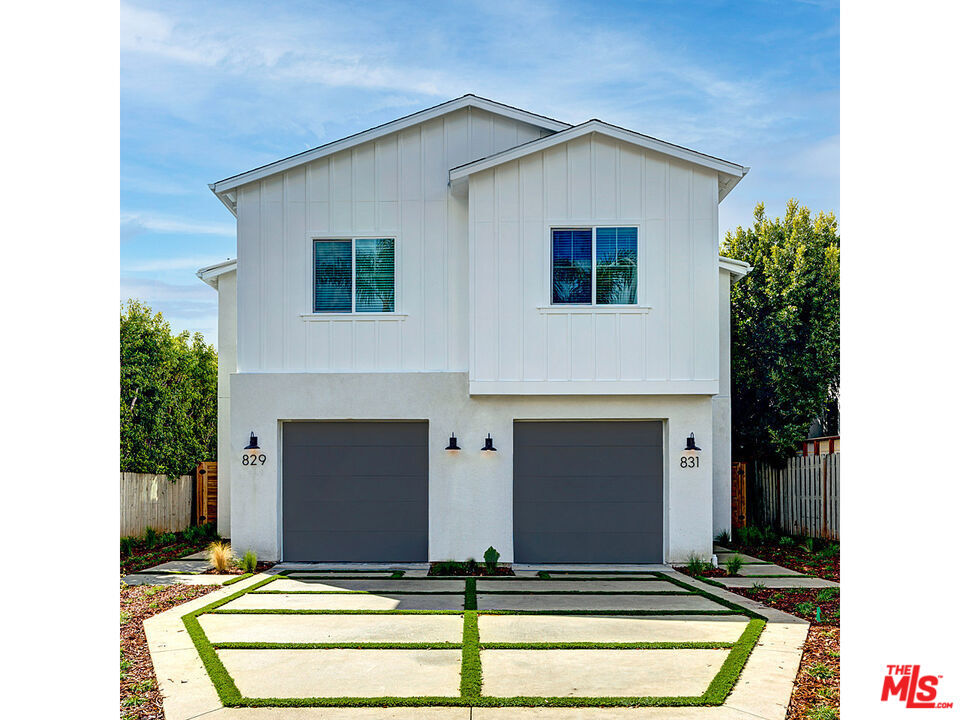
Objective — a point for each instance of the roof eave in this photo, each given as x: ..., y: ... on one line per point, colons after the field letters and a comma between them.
x: 393, y: 126
x: 738, y: 269
x: 211, y: 274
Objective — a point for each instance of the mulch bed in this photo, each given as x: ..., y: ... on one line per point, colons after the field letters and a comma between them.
x: 709, y: 572
x: 468, y: 569
x: 143, y: 557
x: 796, y: 558
x: 816, y: 691
x: 140, y: 698
x: 802, y: 602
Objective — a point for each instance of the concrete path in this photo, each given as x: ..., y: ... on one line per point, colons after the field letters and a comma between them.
x: 346, y: 646
x: 769, y: 574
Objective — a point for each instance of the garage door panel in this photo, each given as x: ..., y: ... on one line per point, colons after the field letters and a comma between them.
x: 393, y: 516
x: 588, y: 491
x: 582, y: 517
x: 548, y: 488
x: 355, y: 488
x: 586, y: 547
x: 589, y: 434
x: 354, y: 434
x: 355, y: 491
x: 573, y: 460
x: 356, y: 546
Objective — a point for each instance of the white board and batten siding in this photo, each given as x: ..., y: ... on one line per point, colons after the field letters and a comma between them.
x: 396, y: 187
x: 669, y: 343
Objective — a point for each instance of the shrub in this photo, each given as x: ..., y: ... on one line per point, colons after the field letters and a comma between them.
x: 785, y: 541
x: 750, y: 535
x: 723, y: 537
x: 822, y: 712
x: 192, y: 533
x: 220, y: 555
x: 758, y: 585
x: 821, y: 671
x: 827, y: 594
x: 831, y: 550
x: 446, y: 567
x: 167, y: 539
x: 490, y: 557
x: 150, y: 537
x: 210, y: 530
x: 696, y: 564
x: 769, y: 535
x: 805, y: 608
x: 807, y: 544
x: 126, y: 545
x: 734, y: 563
x: 249, y: 561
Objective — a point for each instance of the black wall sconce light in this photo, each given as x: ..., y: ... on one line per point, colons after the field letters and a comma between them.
x: 691, y: 443
x: 252, y: 445
x: 453, y: 443
x: 488, y: 444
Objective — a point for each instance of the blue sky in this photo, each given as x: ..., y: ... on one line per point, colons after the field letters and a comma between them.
x: 212, y: 89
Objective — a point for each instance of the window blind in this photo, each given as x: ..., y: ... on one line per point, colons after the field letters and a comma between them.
x: 572, y: 261
x: 616, y: 266
x: 375, y: 275
x: 333, y: 274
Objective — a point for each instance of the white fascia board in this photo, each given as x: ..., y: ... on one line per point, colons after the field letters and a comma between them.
x: 738, y: 269
x: 416, y: 118
x: 731, y: 170
x: 211, y: 274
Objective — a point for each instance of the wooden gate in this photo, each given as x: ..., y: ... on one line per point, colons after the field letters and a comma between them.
x: 738, y: 487
x: 206, y: 493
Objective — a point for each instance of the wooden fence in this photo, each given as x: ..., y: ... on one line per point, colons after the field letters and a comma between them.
x: 801, y: 499
x: 155, y: 501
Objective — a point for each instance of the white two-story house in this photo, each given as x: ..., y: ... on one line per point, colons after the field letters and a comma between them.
x: 477, y: 326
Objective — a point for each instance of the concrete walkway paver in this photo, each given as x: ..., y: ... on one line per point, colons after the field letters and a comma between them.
x: 595, y: 602
x: 777, y: 582
x: 171, y: 579
x: 348, y: 601
x: 598, y: 673
x: 751, y: 570
x: 609, y: 629
x: 539, y: 586
x: 333, y: 628
x: 388, y: 586
x: 341, y: 673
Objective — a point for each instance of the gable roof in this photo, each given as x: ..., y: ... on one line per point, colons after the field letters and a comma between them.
x: 223, y: 188
x: 729, y: 173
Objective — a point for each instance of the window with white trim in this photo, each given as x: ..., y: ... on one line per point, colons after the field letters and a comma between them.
x: 594, y: 266
x: 354, y: 276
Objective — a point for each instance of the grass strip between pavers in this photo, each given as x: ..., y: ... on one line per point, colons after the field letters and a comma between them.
x: 608, y: 646
x: 471, y: 671
x: 237, y: 579
x: 358, y: 592
x: 335, y: 646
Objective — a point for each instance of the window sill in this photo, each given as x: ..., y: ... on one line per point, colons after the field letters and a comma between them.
x: 594, y: 309
x: 317, y: 317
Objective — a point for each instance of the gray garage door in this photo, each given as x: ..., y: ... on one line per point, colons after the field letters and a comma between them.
x: 588, y: 492
x: 355, y: 491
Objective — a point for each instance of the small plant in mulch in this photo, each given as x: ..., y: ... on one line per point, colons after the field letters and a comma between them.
x: 706, y: 570
x: 155, y: 548
x: 468, y: 568
x: 220, y: 555
x: 139, y: 696
x: 733, y: 564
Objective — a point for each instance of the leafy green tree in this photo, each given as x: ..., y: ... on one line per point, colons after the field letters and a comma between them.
x: 168, y: 395
x: 785, y: 330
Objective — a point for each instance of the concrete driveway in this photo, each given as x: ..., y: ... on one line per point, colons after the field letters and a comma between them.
x: 318, y: 643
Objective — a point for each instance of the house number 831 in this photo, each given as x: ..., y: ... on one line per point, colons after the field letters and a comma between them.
x: 690, y: 462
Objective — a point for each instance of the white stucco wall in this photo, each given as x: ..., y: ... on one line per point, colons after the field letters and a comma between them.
x: 722, y: 420
x: 226, y: 364
x: 471, y: 493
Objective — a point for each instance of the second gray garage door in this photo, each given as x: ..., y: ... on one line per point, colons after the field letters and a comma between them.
x: 355, y: 491
x: 588, y: 492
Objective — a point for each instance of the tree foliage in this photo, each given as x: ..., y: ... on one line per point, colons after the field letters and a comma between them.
x: 785, y: 330
x: 168, y: 395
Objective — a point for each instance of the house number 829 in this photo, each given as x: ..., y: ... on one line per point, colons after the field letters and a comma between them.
x: 689, y: 462
x: 254, y: 459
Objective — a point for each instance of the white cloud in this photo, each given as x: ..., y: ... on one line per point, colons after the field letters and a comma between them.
x: 136, y: 223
